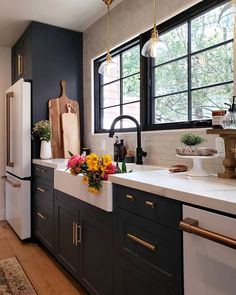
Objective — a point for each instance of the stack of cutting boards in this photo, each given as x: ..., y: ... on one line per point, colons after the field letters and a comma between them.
x: 64, y: 118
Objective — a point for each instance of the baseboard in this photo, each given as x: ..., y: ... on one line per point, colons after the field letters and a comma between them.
x: 2, y: 214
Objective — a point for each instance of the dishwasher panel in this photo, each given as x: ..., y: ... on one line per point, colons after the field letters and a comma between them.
x: 209, y: 267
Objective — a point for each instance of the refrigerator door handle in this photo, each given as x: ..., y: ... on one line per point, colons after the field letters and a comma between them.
x: 10, y: 182
x: 9, y: 162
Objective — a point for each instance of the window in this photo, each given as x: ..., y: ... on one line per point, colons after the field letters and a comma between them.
x: 198, y: 66
x: 120, y: 91
x: 181, y: 87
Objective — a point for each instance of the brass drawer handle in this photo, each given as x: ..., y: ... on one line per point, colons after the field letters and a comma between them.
x: 42, y: 216
x: 129, y: 197
x: 190, y: 225
x: 142, y: 242
x: 150, y: 204
x: 41, y: 190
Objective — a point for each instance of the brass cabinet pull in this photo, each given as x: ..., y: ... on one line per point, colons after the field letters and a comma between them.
x: 42, y: 216
x: 9, y: 95
x: 10, y: 182
x: 19, y: 64
x: 150, y: 204
x: 76, y: 234
x: 73, y: 233
x: 190, y: 225
x: 41, y: 190
x: 129, y: 197
x: 142, y: 242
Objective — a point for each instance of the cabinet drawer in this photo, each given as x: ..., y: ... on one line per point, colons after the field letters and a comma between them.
x: 156, y: 208
x: 130, y: 280
x: 44, y: 225
x: 44, y: 172
x: 153, y: 248
x: 43, y: 193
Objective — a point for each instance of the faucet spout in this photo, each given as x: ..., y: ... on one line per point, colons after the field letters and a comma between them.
x: 139, y: 152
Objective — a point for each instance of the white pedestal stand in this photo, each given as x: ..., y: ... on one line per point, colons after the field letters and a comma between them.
x: 197, y: 169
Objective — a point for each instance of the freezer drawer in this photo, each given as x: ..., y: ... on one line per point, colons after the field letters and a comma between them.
x: 18, y: 209
x: 209, y: 267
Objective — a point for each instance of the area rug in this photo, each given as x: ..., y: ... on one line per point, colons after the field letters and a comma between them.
x: 13, y: 280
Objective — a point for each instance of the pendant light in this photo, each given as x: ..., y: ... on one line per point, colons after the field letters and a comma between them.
x: 154, y: 45
x: 108, y: 66
x: 227, y: 15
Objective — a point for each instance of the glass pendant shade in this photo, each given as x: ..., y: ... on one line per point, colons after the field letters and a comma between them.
x: 154, y: 47
x: 108, y: 67
x: 227, y: 15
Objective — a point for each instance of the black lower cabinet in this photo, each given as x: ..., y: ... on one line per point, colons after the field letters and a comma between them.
x: 67, y: 237
x: 96, y: 255
x: 83, y: 243
x: 130, y: 280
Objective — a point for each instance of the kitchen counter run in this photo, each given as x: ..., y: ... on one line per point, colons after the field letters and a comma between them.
x: 210, y: 192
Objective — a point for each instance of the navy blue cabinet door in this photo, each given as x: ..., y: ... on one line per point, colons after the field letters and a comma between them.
x: 96, y: 255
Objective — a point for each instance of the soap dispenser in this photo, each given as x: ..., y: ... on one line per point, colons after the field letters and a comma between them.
x: 229, y: 120
x: 116, y: 149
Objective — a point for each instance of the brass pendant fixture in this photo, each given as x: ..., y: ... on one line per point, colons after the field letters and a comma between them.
x: 154, y: 45
x: 107, y: 67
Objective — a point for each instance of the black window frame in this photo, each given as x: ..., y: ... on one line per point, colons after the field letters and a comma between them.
x: 97, y: 87
x: 147, y: 78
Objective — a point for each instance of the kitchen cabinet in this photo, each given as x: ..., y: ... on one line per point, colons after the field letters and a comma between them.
x: 46, y: 55
x: 83, y: 239
x: 96, y: 255
x: 68, y: 236
x: 42, y: 204
x: 146, y: 245
x: 21, y: 58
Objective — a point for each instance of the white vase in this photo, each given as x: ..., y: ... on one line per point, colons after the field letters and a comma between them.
x: 45, y: 150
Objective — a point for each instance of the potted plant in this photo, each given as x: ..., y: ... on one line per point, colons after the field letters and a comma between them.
x: 192, y: 141
x: 42, y: 131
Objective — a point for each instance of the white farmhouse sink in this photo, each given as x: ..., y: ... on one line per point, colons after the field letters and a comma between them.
x: 74, y: 186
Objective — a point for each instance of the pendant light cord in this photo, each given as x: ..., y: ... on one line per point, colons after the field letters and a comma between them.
x: 108, y: 29
x: 154, y: 31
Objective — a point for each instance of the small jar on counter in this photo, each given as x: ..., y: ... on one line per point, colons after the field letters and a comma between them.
x: 217, y: 117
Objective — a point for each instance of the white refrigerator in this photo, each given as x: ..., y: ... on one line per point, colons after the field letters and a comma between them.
x: 18, y: 158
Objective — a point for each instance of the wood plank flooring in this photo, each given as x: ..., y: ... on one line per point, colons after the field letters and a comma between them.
x: 46, y: 275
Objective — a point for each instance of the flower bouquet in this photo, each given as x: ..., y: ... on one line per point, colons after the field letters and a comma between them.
x: 94, y: 169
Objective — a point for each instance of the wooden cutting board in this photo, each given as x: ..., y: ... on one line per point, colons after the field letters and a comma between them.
x: 70, y: 129
x: 57, y: 107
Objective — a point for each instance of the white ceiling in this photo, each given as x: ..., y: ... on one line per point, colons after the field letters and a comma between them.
x: 15, y: 15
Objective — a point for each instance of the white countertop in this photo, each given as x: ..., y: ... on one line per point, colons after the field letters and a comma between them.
x: 52, y: 163
x: 210, y: 192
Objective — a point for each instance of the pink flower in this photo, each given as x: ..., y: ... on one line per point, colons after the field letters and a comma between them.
x: 110, y: 169
x: 75, y: 160
x: 105, y: 176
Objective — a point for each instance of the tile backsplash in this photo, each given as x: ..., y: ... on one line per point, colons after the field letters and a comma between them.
x: 160, y: 146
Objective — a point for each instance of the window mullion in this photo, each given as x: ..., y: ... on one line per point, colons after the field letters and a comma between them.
x: 121, y: 88
x: 189, y: 73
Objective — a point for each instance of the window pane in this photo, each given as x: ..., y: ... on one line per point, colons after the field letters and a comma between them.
x: 206, y: 100
x: 131, y: 61
x: 172, y: 108
x: 131, y: 89
x: 132, y: 109
x: 176, y: 42
x: 171, y: 77
x: 109, y: 115
x: 115, y: 73
x: 207, y: 32
x: 213, y: 66
x: 111, y: 94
